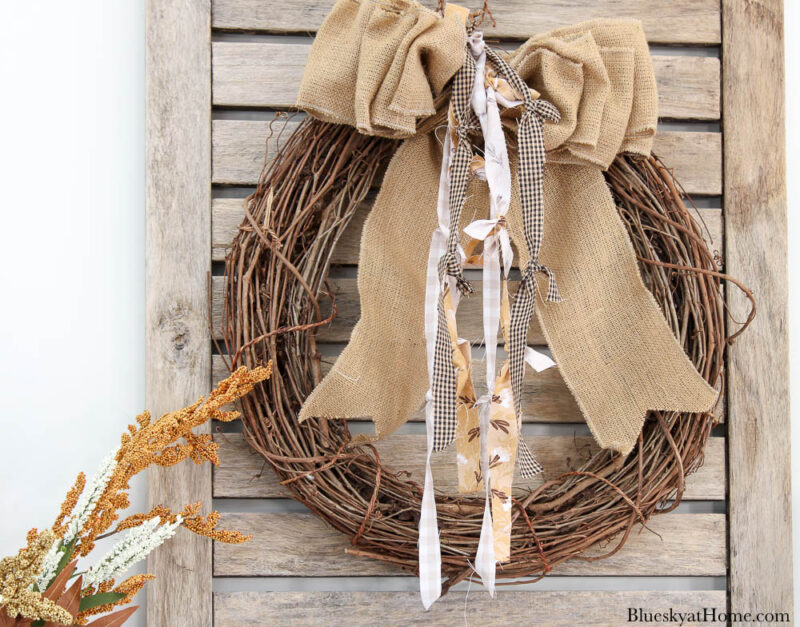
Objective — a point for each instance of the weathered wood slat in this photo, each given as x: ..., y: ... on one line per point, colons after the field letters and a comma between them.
x: 512, y: 607
x: 546, y: 398
x: 239, y: 147
x: 676, y: 22
x: 242, y: 473
x: 302, y: 545
x: 348, y: 311
x: 178, y: 358
x: 267, y: 74
x: 758, y: 375
x: 227, y: 214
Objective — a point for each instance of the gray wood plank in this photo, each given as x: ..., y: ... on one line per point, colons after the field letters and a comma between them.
x: 546, y: 398
x: 511, y: 607
x: 302, y: 545
x: 178, y: 362
x: 267, y: 74
x: 227, y: 214
x: 758, y: 375
x: 242, y: 473
x: 239, y: 148
x: 676, y: 22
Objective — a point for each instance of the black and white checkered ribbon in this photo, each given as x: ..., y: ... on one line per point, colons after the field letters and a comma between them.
x: 530, y: 142
x: 443, y: 386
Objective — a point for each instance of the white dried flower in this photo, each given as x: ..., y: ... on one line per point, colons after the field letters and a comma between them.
x: 90, y: 496
x: 83, y: 509
x: 49, y: 566
x: 134, y: 547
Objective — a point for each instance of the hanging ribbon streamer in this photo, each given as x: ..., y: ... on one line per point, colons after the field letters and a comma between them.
x: 530, y: 141
x: 450, y: 264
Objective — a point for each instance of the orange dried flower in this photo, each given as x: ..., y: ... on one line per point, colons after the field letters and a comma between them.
x: 69, y: 504
x: 207, y: 527
x: 150, y: 443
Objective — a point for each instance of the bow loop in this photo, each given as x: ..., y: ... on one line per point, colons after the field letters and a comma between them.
x: 553, y: 295
x: 484, y: 229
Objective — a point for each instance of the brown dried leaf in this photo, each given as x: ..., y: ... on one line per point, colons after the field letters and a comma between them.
x: 71, y: 599
x: 56, y: 589
x: 115, y: 619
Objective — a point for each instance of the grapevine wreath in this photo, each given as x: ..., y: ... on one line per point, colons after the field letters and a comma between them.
x: 276, y: 298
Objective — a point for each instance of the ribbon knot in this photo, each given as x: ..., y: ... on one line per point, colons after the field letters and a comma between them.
x: 530, y: 284
x: 543, y: 110
x: 484, y: 229
x: 462, y: 132
x: 450, y: 264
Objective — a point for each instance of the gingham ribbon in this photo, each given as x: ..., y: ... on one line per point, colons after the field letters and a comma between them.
x: 450, y: 264
x: 530, y: 142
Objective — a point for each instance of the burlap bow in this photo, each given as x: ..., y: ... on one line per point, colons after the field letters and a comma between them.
x: 612, y: 345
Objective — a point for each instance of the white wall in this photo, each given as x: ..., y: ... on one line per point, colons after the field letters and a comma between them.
x: 72, y: 257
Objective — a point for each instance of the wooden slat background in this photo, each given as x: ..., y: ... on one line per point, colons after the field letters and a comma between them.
x: 245, y: 474
x: 554, y: 609
x: 677, y: 22
x: 178, y: 355
x: 254, y: 54
x: 758, y: 364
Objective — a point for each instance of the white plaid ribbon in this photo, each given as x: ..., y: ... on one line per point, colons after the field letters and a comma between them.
x: 430, y: 558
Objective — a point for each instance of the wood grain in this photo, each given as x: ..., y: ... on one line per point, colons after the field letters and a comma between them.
x: 676, y: 22
x: 267, y: 74
x: 242, y: 473
x: 511, y: 607
x: 239, y: 147
x: 178, y: 193
x: 301, y: 545
x: 758, y: 378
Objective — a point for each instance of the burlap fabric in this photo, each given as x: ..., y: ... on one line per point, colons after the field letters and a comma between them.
x: 612, y: 345
x: 377, y: 65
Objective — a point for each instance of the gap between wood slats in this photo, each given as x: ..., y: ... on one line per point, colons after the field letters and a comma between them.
x: 693, y: 22
x: 290, y: 506
x: 239, y: 147
x: 267, y: 74
x: 243, y: 474
x: 571, y: 429
x: 410, y: 584
x: 303, y: 545
x: 508, y: 44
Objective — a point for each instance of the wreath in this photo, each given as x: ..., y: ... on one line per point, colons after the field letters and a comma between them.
x: 275, y: 300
